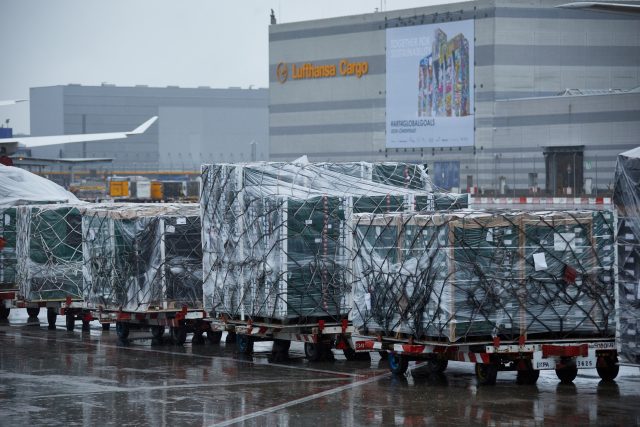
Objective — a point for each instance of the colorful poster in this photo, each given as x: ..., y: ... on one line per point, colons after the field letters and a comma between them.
x: 430, y: 85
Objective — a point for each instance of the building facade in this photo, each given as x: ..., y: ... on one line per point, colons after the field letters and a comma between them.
x: 496, y: 97
x: 195, y: 125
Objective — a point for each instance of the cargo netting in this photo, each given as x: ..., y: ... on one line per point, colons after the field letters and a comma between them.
x: 140, y: 257
x: 627, y: 200
x: 49, y: 252
x: 21, y: 187
x: 276, y: 236
x: 468, y: 276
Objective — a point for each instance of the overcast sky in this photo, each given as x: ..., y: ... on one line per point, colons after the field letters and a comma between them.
x: 153, y: 42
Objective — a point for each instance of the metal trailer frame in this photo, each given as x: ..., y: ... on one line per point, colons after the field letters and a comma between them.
x: 72, y: 309
x: 179, y: 321
x: 528, y: 358
x: 319, y: 337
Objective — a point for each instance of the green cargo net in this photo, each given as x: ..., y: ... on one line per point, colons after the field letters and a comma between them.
x: 469, y: 276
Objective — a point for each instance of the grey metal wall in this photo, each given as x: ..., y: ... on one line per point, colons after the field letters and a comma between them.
x: 523, y: 50
x: 226, y: 122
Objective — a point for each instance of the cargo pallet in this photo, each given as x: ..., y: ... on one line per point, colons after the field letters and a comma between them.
x: 528, y: 358
x: 72, y: 309
x: 180, y: 322
x: 319, y: 337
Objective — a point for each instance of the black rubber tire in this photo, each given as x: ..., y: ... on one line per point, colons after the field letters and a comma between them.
x: 33, y: 311
x: 567, y: 374
x: 52, y: 316
x: 198, y: 338
x: 122, y: 330
x: 280, y: 351
x: 214, y: 337
x: 4, y: 312
x: 157, y: 331
x: 353, y: 356
x: 106, y: 326
x: 86, y: 325
x: 179, y: 335
x: 231, y: 338
x: 610, y: 370
x: 245, y: 344
x: 313, y: 351
x: 70, y: 321
x: 398, y: 364
x: 486, y: 373
x: 528, y: 376
x: 436, y: 366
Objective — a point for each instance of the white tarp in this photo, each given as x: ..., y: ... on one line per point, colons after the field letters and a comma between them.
x: 19, y: 187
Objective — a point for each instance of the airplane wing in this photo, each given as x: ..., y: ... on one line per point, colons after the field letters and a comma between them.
x: 11, y: 102
x: 39, y: 141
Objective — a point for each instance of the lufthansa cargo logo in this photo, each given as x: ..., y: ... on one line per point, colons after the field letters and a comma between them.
x: 307, y: 70
x: 282, y: 72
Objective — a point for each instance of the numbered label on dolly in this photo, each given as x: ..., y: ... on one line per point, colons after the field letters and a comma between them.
x: 540, y: 363
x: 586, y: 362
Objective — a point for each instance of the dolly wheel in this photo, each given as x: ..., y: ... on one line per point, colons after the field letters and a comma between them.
x: 70, y: 322
x: 198, y: 338
x: 33, y: 311
x: 244, y: 343
x: 280, y: 351
x: 157, y: 331
x: 352, y: 355
x: 122, y: 329
x: 398, y: 364
x: 436, y: 366
x: 231, y: 338
x: 567, y: 374
x: 608, y: 367
x: 179, y: 335
x: 486, y: 373
x: 214, y: 337
x: 52, y: 316
x: 4, y: 311
x: 106, y: 326
x: 527, y: 375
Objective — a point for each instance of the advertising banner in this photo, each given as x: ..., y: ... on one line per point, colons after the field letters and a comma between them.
x: 430, y: 94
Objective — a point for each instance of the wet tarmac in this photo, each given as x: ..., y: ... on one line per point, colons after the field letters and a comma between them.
x: 55, y: 377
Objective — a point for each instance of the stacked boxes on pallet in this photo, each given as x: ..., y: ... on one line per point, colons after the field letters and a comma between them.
x: 49, y: 252
x: 627, y: 200
x: 139, y: 257
x: 276, y: 237
x: 465, y: 276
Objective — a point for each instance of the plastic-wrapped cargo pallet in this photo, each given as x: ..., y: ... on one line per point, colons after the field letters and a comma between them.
x: 627, y: 200
x: 276, y: 237
x: 20, y: 187
x: 49, y: 252
x: 140, y: 257
x: 464, y: 276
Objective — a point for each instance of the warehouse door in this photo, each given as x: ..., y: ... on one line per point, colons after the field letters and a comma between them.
x: 564, y: 170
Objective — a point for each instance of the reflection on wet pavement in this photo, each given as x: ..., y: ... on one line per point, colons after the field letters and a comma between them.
x: 60, y: 378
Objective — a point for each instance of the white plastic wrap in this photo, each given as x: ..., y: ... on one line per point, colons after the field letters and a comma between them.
x: 140, y: 257
x: 20, y: 187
